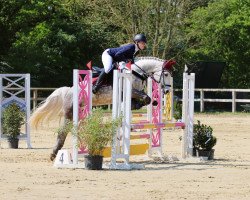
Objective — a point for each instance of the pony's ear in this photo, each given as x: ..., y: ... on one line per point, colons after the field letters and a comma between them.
x: 168, y: 65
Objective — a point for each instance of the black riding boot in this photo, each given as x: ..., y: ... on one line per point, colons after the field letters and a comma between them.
x: 99, y: 81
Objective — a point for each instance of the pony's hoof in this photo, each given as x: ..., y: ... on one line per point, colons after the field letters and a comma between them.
x: 154, y: 103
x: 52, y: 156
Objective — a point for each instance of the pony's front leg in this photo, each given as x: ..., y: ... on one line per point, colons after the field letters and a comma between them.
x: 141, y: 98
x: 61, y: 137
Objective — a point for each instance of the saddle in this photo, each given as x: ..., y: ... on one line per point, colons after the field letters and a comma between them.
x: 96, y: 71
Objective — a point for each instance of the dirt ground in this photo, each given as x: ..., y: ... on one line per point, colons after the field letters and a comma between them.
x: 28, y: 174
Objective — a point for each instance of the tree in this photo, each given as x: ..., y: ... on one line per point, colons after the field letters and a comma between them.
x: 221, y: 32
x: 160, y: 20
x: 48, y: 38
x: 157, y: 19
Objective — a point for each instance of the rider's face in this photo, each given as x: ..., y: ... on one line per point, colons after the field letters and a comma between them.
x: 141, y: 45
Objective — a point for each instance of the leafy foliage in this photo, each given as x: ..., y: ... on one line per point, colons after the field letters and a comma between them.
x: 48, y: 38
x: 13, y: 119
x: 177, y: 109
x: 95, y: 132
x: 221, y: 31
x: 203, y: 138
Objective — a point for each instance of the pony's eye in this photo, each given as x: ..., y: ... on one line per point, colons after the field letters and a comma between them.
x: 165, y: 73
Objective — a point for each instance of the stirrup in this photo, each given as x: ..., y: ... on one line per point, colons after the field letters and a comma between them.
x: 95, y: 89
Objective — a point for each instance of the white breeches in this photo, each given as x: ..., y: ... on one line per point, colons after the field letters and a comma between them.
x: 107, y: 61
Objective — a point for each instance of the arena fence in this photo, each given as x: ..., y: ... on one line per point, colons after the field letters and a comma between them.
x: 37, y: 96
x: 234, y: 98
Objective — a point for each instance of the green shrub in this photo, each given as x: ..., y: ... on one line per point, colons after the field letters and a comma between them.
x: 12, y: 120
x: 203, y: 138
x: 177, y: 110
x: 96, y: 131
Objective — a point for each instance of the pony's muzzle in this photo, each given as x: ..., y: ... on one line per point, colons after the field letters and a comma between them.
x: 166, y: 89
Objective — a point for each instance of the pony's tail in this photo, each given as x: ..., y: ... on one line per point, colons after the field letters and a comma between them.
x: 52, y: 107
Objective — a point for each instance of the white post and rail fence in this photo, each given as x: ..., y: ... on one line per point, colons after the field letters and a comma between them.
x: 233, y: 100
x: 199, y: 97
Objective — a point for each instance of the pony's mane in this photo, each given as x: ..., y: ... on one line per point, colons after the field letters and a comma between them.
x: 150, y: 58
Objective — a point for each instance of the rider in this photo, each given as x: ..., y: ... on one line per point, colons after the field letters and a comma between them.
x: 123, y: 53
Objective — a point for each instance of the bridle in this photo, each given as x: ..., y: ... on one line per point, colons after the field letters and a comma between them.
x: 162, y: 78
x: 145, y: 75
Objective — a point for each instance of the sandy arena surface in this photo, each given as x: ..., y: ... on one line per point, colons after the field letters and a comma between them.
x: 27, y: 174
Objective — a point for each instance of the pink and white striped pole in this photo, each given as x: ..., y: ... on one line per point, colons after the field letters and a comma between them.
x: 82, y: 103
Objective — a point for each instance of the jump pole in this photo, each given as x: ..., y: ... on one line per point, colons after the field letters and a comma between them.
x: 187, y: 120
x: 75, y: 117
x: 82, y: 91
x: 155, y: 116
x: 124, y: 108
x: 122, y: 89
x: 168, y: 103
x: 188, y: 114
x: 156, y: 122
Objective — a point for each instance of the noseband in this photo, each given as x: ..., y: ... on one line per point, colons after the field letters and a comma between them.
x: 166, y: 67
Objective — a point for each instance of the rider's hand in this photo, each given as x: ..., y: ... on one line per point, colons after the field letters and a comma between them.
x: 122, y: 65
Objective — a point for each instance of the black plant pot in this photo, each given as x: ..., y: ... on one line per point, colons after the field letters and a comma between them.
x: 93, y: 162
x: 204, y: 153
x: 194, y: 152
x: 13, y: 143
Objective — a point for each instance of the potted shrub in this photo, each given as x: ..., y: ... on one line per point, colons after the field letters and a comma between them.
x: 177, y: 108
x: 95, y: 132
x: 12, y: 120
x: 203, y: 141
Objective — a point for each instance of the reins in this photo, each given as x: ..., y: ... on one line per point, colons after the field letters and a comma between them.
x: 151, y: 74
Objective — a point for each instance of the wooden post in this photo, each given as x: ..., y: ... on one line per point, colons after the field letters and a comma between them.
x: 201, y: 100
x: 233, y: 101
x: 35, y: 96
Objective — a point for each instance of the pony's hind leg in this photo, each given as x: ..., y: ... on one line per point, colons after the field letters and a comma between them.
x: 67, y: 125
x: 63, y: 132
x: 61, y: 137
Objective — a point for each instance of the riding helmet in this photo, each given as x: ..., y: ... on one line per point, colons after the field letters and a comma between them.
x: 140, y: 38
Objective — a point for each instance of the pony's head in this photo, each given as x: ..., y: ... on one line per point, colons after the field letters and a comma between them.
x: 158, y: 69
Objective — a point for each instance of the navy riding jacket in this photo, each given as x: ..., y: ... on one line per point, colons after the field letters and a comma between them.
x: 123, y: 53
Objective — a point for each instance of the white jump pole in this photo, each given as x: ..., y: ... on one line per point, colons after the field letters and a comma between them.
x: 115, y: 114
x: 122, y: 89
x: 122, y: 92
x: 27, y: 100
x: 188, y: 114
x: 122, y: 107
x: 75, y: 116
